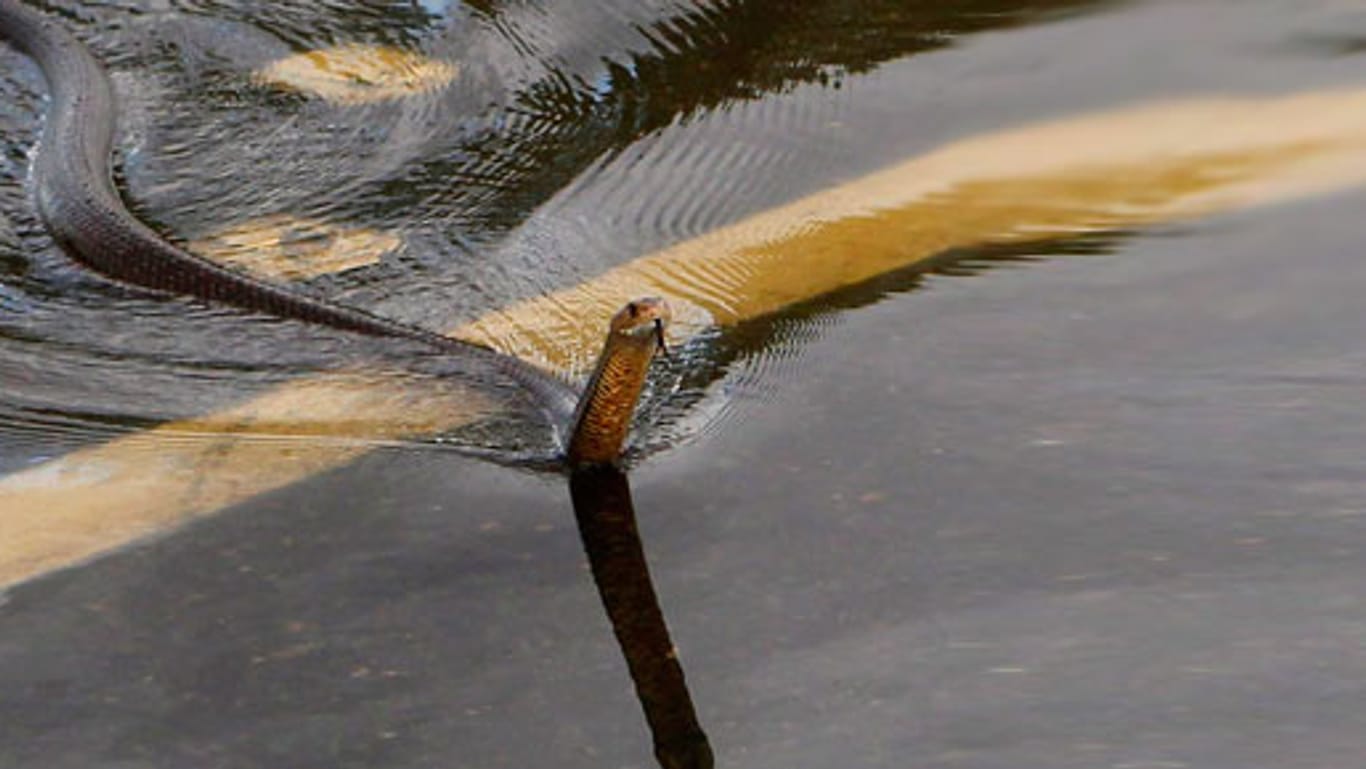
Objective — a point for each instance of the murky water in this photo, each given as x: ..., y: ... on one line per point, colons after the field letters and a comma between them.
x: 1067, y: 472
x: 546, y: 106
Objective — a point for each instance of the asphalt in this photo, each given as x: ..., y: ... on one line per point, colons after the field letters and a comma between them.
x: 1091, y: 501
x: 1101, y: 510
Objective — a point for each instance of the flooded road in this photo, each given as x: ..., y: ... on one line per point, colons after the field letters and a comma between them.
x: 1014, y: 421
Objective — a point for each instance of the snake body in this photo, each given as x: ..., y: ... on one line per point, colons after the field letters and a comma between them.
x: 603, y: 417
x: 76, y: 197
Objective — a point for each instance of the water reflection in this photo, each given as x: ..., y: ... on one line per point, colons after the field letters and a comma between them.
x: 607, y: 523
x: 400, y: 197
x: 550, y: 117
x: 591, y: 81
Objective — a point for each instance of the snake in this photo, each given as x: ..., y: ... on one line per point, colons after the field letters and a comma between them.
x: 73, y: 183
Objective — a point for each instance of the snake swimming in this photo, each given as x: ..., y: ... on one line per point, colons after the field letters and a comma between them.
x: 76, y: 197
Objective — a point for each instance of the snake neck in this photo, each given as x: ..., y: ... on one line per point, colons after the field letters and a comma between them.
x: 603, y: 416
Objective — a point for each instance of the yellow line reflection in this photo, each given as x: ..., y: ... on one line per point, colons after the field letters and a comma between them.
x: 1118, y: 169
x: 285, y: 248
x: 358, y: 74
x: 70, y: 509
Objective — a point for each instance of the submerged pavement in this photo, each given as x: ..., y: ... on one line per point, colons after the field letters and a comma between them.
x: 1088, y: 496
x: 1124, y: 528
x: 1061, y: 179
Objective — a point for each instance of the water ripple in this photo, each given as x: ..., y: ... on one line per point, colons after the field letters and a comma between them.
x: 566, y: 140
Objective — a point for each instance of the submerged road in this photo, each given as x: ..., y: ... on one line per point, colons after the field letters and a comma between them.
x: 1037, y: 441
x: 1125, y: 529
x: 1107, y: 172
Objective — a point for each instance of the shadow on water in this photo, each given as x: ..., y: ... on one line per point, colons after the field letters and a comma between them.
x: 534, y: 109
x: 651, y: 68
x: 754, y: 336
x: 607, y: 524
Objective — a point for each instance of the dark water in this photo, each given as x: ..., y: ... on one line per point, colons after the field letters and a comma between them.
x: 547, y: 101
x: 1101, y: 505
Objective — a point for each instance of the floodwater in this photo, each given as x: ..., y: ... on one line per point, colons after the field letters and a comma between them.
x: 1053, y: 468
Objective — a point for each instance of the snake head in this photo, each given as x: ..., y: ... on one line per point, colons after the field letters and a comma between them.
x: 644, y: 320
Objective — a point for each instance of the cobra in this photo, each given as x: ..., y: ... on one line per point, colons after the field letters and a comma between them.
x: 76, y: 197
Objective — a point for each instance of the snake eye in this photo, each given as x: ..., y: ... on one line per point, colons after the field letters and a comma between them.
x: 633, y: 309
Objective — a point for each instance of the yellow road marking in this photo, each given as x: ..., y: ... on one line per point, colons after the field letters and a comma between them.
x: 357, y: 74
x: 284, y: 248
x: 1119, y: 169
x: 69, y: 509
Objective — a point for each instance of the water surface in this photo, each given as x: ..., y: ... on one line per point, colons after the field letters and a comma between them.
x: 1085, y: 499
